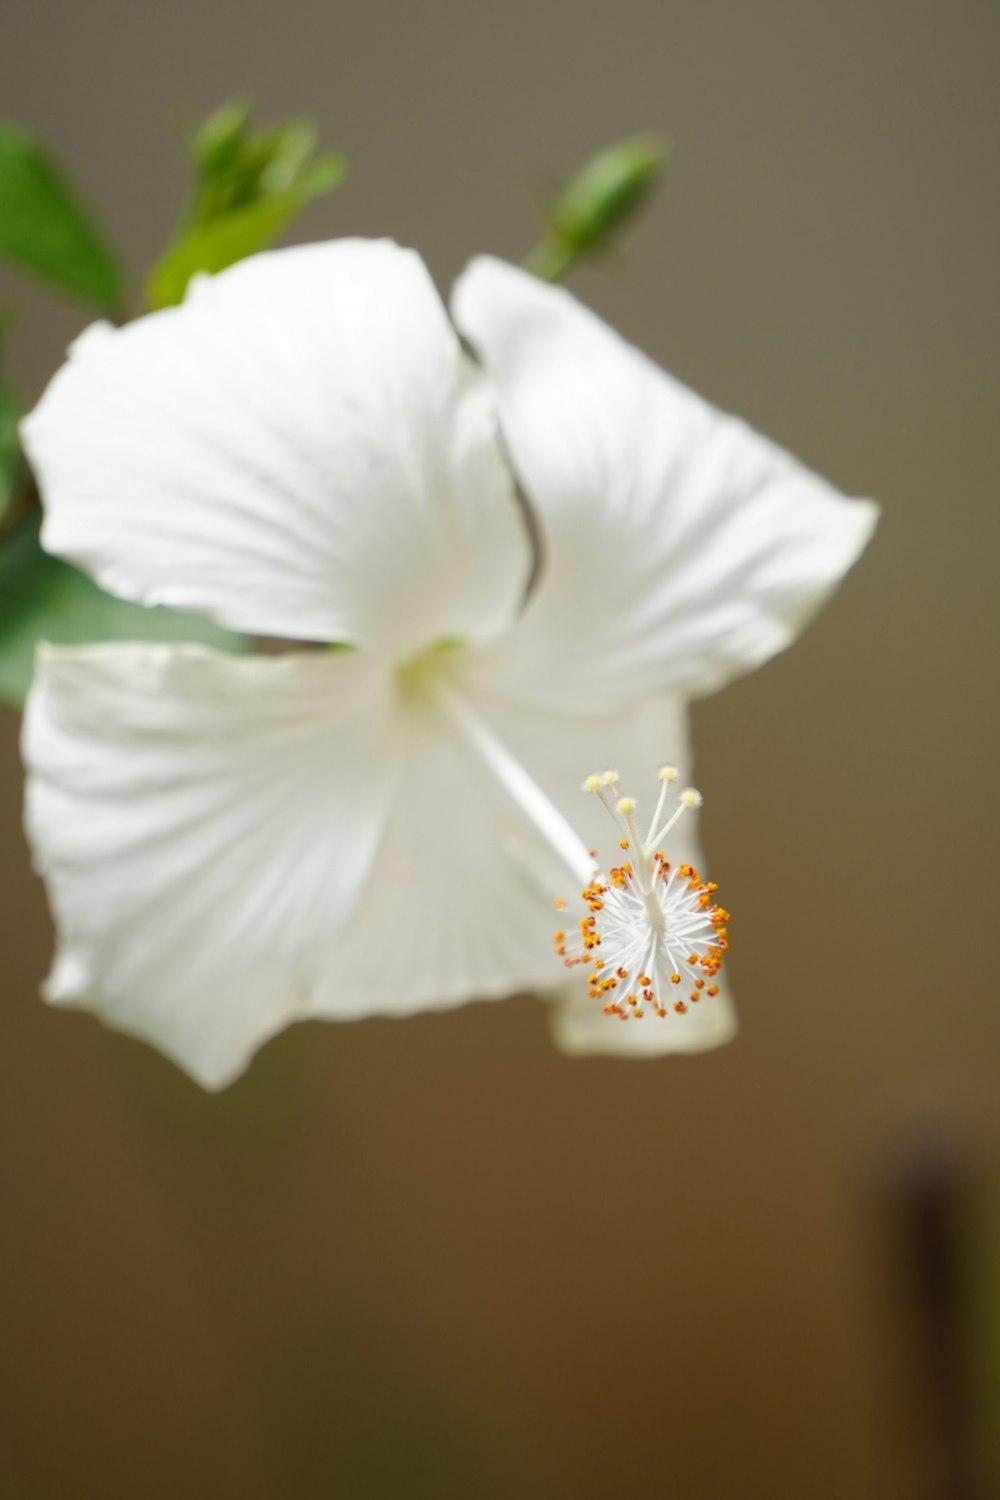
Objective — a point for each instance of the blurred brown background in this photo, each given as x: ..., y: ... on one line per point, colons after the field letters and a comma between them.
x: 434, y: 1258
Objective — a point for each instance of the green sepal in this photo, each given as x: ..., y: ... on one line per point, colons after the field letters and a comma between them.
x: 221, y: 243
x: 250, y: 185
x: 42, y: 598
x: 599, y: 201
x: 45, y: 228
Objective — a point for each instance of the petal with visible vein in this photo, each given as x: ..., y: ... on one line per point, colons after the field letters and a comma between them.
x: 679, y: 547
x: 205, y: 825
x: 300, y: 450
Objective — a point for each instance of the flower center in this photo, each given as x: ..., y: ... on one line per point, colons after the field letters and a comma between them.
x: 649, y: 925
x: 416, y: 677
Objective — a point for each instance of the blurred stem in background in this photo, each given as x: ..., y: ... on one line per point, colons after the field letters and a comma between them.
x: 946, y: 1300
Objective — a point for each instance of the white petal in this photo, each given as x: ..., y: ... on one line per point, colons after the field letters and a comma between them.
x: 679, y: 546
x: 460, y: 903
x: 204, y: 824
x: 447, y: 916
x: 302, y: 450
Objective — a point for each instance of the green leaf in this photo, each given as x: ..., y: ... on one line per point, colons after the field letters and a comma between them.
x: 10, y: 449
x: 45, y: 229
x: 250, y: 185
x: 604, y: 195
x: 42, y: 598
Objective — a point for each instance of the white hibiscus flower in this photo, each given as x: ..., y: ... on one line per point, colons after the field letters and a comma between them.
x: 304, y: 450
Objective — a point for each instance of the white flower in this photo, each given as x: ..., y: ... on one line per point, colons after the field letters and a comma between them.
x: 303, y: 450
